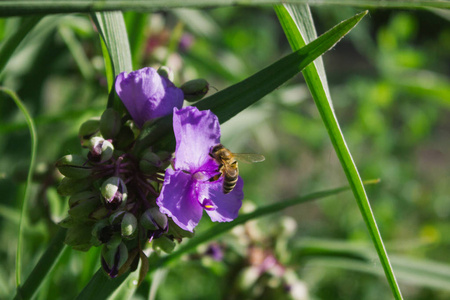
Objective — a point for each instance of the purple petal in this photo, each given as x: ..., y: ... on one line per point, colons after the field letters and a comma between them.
x: 196, y: 132
x: 178, y: 199
x: 226, y: 205
x: 147, y: 95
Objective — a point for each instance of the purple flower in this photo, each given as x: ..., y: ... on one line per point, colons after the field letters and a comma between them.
x: 187, y: 189
x: 147, y: 95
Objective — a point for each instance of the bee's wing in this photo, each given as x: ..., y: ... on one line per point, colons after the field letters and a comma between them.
x: 249, y: 157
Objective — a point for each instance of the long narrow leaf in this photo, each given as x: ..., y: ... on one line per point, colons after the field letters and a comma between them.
x: 26, y: 7
x: 359, y: 257
x: 221, y: 228
x: 101, y: 286
x: 293, y: 19
x: 23, y: 204
x: 45, y: 264
x: 12, y: 42
x: 111, y: 27
x: 232, y: 100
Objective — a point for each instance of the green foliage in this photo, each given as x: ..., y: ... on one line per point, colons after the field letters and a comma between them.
x: 390, y: 88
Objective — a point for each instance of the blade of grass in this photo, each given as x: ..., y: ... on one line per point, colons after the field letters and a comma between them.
x: 77, y: 51
x: 357, y: 256
x: 221, y: 228
x: 12, y: 42
x: 298, y: 26
x: 27, y: 7
x: 136, y: 24
x: 44, y: 266
x: 230, y: 101
x: 26, y: 195
x: 111, y: 27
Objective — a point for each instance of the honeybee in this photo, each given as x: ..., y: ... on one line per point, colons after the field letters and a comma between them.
x: 228, y: 165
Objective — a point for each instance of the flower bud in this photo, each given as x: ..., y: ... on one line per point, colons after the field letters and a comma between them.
x: 127, y: 135
x: 129, y: 225
x: 113, y: 259
x: 114, y: 192
x: 165, y: 72
x: 101, y: 150
x: 164, y: 243
x: 116, y: 217
x: 101, y: 233
x: 110, y: 123
x: 177, y: 232
x: 89, y: 128
x: 83, y: 204
x: 67, y: 222
x: 69, y: 186
x: 78, y: 237
x: 150, y: 162
x: 153, y: 219
x: 77, y: 198
x: 74, y: 166
x: 114, y: 241
x: 195, y: 89
x: 99, y: 213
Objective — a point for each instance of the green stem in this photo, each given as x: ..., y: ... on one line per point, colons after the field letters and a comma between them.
x: 23, y: 204
x: 45, y: 264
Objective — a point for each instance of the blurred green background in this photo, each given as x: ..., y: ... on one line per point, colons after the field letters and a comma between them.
x: 389, y: 81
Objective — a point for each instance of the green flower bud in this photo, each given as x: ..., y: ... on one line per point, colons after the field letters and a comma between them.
x: 89, y: 128
x: 110, y: 123
x: 150, y: 162
x: 114, y: 241
x: 177, y: 232
x: 153, y: 219
x: 129, y: 225
x: 164, y: 243
x: 99, y: 213
x: 79, y: 237
x: 166, y: 72
x: 101, y: 233
x: 67, y: 222
x: 127, y: 135
x: 74, y: 166
x: 113, y: 259
x: 114, y: 192
x: 69, y: 186
x: 116, y: 217
x: 82, y: 196
x: 101, y: 150
x: 195, y: 89
x: 83, y: 204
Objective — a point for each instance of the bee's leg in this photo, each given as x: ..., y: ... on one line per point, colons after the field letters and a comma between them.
x: 215, y: 177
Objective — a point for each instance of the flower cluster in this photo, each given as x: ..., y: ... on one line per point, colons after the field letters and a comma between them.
x: 122, y: 199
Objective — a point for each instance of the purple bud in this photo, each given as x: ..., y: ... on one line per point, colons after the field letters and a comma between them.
x: 147, y: 95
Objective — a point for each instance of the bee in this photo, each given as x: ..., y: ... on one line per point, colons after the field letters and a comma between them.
x: 228, y: 165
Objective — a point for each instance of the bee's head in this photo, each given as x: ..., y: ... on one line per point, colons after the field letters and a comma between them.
x: 216, y: 148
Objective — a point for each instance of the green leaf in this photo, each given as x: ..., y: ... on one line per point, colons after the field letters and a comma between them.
x: 359, y: 257
x: 43, y: 267
x: 77, y: 51
x: 11, y: 43
x: 221, y: 228
x: 27, y: 7
x: 137, y: 25
x: 26, y: 195
x: 111, y: 27
x: 298, y: 26
x: 101, y: 286
x: 232, y: 100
